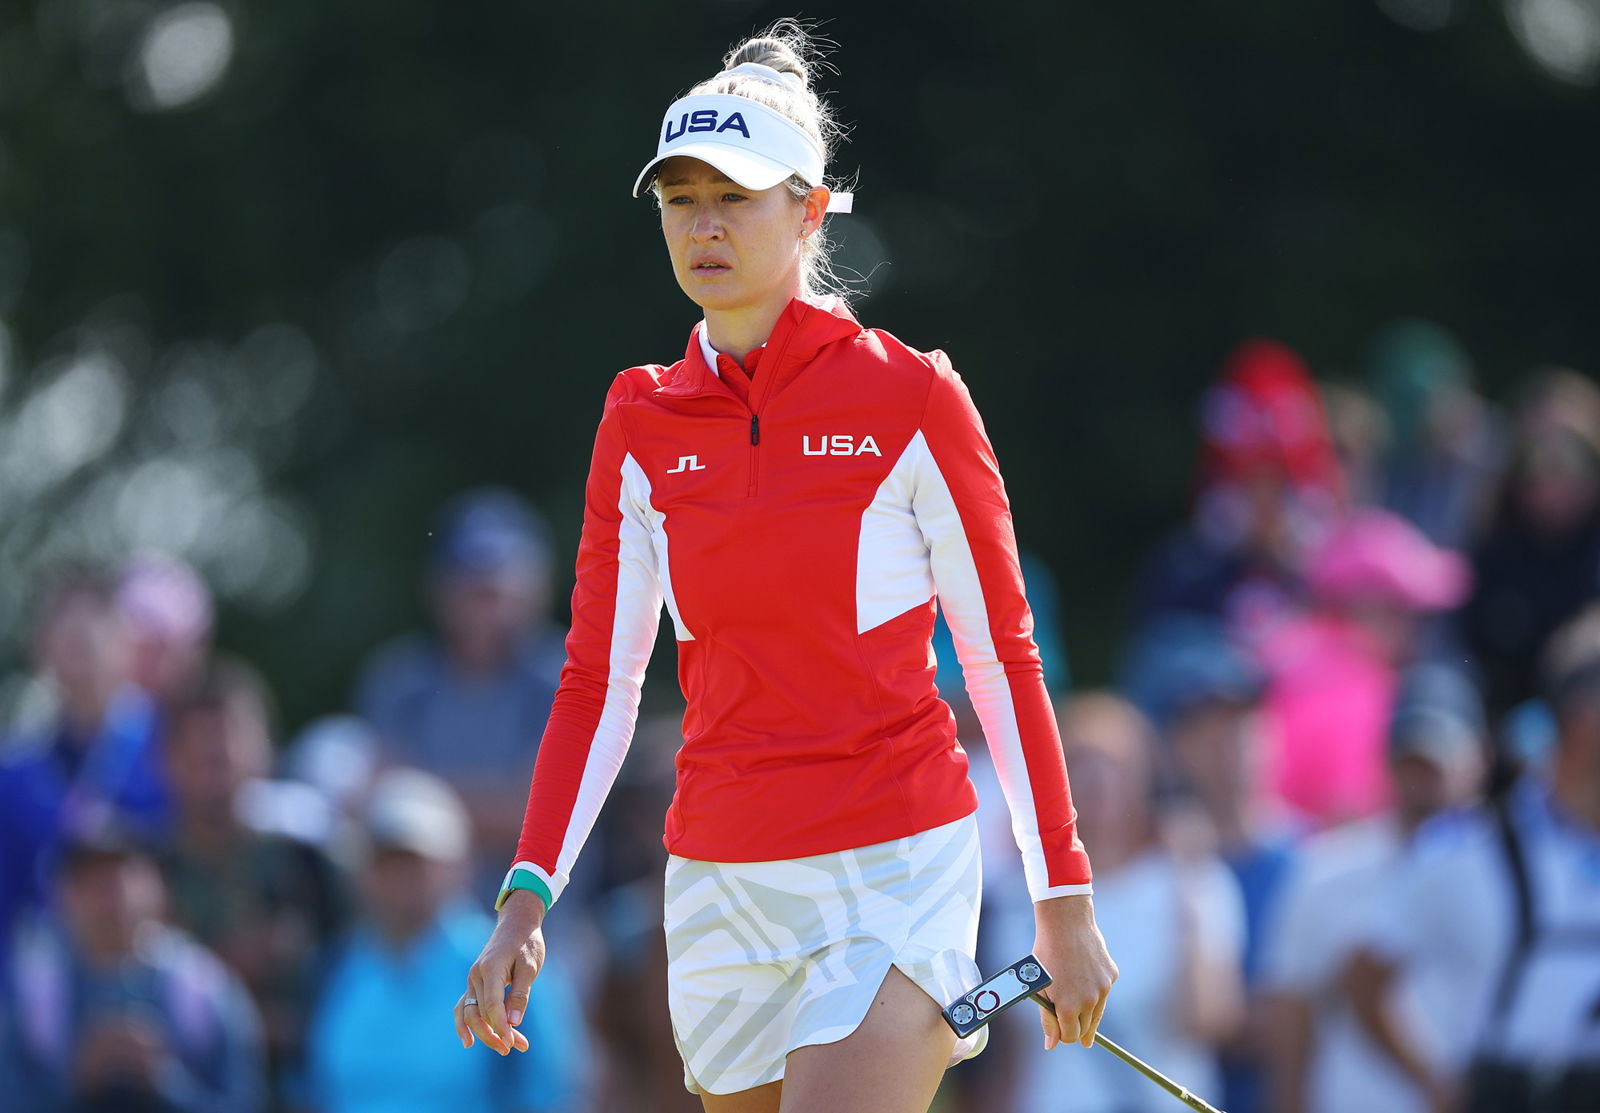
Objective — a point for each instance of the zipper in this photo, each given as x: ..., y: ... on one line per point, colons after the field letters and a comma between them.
x: 755, y: 439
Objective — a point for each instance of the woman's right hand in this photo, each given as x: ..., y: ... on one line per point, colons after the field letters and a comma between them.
x: 512, y: 957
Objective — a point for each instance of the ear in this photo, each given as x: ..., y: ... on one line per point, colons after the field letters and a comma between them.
x: 814, y: 206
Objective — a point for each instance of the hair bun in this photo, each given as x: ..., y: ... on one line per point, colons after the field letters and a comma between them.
x: 768, y: 50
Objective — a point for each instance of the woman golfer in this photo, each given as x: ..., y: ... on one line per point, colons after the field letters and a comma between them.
x: 798, y: 490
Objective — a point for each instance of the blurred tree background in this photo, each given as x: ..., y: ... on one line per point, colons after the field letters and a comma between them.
x: 277, y: 278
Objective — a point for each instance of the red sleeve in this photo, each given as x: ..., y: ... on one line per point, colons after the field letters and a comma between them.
x: 616, y: 606
x: 965, y: 517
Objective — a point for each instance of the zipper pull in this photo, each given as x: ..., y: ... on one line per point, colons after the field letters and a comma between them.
x: 755, y: 429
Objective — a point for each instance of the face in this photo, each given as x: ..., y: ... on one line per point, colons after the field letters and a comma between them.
x: 482, y: 612
x: 1425, y: 785
x: 734, y: 248
x: 163, y: 663
x: 403, y: 891
x: 1218, y: 747
x: 1391, y: 629
x: 1112, y: 792
x: 84, y: 645
x: 212, y: 751
x: 106, y: 900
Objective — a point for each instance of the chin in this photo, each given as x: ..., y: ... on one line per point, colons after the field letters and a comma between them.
x: 709, y: 296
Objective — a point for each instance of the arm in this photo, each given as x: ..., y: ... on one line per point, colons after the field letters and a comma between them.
x: 1211, y: 926
x: 1293, y: 1029
x: 1370, y: 980
x: 616, y: 606
x: 961, y: 508
x: 1296, y: 970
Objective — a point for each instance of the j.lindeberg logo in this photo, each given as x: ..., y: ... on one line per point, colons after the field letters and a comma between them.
x: 840, y: 444
x: 687, y: 463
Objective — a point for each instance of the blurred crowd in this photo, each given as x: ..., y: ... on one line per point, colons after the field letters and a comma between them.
x: 1343, y: 803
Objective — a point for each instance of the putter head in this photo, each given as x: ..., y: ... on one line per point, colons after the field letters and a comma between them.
x: 981, y: 1004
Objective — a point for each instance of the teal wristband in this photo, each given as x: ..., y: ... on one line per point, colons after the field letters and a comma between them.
x: 525, y: 879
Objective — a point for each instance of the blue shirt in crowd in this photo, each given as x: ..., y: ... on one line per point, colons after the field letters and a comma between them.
x: 192, y: 1006
x: 53, y: 781
x: 382, y: 1039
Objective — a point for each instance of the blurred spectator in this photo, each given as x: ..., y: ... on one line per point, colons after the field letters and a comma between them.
x: 96, y: 760
x: 1444, y: 451
x: 1211, y: 719
x: 1360, y: 434
x: 1333, y: 672
x: 1172, y: 916
x: 642, y: 1069
x: 265, y: 902
x: 1343, y: 886
x: 1504, y: 902
x: 1269, y: 483
x: 335, y: 757
x: 470, y: 704
x: 116, y: 1012
x: 382, y: 1037
x: 169, y: 614
x: 1539, y: 563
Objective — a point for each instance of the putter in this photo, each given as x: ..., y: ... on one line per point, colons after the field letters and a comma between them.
x: 1024, y: 979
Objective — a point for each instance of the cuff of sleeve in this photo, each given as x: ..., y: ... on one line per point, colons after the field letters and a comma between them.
x: 524, y: 879
x: 1085, y: 890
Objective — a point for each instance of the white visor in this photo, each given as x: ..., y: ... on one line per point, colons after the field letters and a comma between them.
x: 751, y: 143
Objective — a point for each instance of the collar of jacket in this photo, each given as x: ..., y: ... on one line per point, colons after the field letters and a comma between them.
x: 802, y: 330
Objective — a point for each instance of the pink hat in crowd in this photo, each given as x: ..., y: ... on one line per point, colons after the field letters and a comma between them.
x: 1376, y: 556
x: 165, y: 599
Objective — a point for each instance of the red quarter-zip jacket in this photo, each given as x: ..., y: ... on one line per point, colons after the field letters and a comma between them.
x: 799, y: 540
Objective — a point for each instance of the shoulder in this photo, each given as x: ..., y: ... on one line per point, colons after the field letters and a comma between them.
x: 1347, y: 849
x: 894, y: 356
x: 635, y: 383
x: 184, y: 961
x: 408, y: 659
x: 1457, y: 833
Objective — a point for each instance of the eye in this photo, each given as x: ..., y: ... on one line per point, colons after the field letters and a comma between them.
x: 734, y: 197
x: 680, y: 199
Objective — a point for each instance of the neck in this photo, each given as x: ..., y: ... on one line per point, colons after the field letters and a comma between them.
x: 481, y: 657
x: 738, y: 332
x: 85, y: 711
x: 1575, y: 784
x: 398, y: 934
x: 209, y: 832
x: 106, y: 948
x: 1236, y: 826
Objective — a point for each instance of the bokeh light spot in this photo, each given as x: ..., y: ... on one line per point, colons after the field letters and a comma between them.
x: 1562, y: 36
x: 184, y: 53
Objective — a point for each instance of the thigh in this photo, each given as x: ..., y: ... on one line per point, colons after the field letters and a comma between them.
x: 761, y: 1099
x: 892, y: 1063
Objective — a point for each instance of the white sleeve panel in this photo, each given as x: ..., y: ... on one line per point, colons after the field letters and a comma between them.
x: 633, y: 635
x: 892, y: 570
x: 636, y: 484
x: 960, y: 590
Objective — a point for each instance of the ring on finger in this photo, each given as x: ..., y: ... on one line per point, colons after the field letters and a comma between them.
x: 470, y: 1001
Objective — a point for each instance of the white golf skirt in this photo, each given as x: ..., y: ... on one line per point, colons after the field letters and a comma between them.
x: 765, y: 957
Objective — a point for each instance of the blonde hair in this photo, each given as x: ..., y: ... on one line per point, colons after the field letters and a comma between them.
x: 788, y: 47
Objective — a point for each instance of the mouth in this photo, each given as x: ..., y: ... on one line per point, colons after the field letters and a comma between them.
x: 708, y: 267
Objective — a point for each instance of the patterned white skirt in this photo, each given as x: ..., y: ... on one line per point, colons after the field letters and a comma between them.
x: 765, y: 957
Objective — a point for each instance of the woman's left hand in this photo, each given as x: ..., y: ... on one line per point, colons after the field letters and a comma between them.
x: 1069, y: 945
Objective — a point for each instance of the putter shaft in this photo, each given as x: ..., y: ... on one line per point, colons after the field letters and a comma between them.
x: 1182, y: 1093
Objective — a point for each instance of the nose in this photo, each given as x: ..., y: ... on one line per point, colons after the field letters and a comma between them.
x: 706, y: 227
